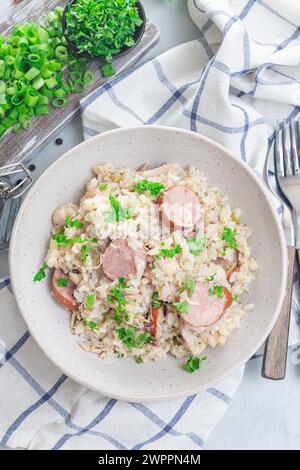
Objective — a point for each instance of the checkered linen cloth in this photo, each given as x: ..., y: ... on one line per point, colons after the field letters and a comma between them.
x: 231, y: 85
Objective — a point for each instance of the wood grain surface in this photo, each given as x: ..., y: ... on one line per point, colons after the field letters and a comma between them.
x: 275, y: 354
x: 17, y: 147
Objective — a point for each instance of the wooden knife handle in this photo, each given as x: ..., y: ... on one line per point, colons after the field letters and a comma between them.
x: 275, y: 354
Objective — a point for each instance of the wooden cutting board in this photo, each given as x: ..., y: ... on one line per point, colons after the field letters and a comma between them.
x: 16, y: 147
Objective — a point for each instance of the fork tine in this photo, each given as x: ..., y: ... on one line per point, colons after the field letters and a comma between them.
x: 287, y: 150
x: 294, y: 150
x: 278, y: 155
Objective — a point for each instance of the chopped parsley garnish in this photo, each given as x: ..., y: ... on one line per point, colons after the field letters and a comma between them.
x: 145, y: 185
x: 89, y: 301
x: 127, y: 336
x: 84, y: 251
x: 122, y: 283
x: 62, y: 240
x: 193, y: 363
x: 41, y: 274
x: 181, y: 307
x: 216, y: 290
x: 102, y: 28
x: 228, y: 235
x: 139, y: 360
x: 62, y: 281
x: 210, y: 278
x: 116, y: 296
x: 143, y: 338
x: 73, y: 223
x: 103, y: 186
x: 235, y: 298
x: 165, y: 253
x: 117, y: 212
x: 189, y: 286
x: 90, y: 323
x: 155, y: 300
x: 196, y: 245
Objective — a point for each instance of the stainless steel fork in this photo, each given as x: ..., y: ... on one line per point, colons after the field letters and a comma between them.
x: 287, y: 169
x: 287, y: 172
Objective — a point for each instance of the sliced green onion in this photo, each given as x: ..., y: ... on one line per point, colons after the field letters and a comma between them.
x: 60, y: 102
x: 60, y: 93
x: 88, y: 77
x: 51, y: 83
x: 32, y: 73
x: 20, y: 86
x: 17, y: 99
x: 46, y: 72
x: 14, y: 113
x: 9, y: 60
x: 43, y: 99
x: 41, y: 110
x: 78, y: 86
x: 34, y: 59
x: 54, y: 65
x: 31, y: 97
x: 108, y: 70
x: 38, y: 83
x: 75, y: 75
x: 2, y: 68
x: 61, y: 53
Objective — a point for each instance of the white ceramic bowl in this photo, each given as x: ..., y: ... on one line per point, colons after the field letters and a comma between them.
x: 64, y: 181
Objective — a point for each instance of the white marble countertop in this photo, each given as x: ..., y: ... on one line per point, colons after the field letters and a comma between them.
x: 263, y: 414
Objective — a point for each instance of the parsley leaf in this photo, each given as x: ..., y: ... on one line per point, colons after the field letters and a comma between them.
x: 181, y: 307
x: 62, y: 240
x: 73, y: 223
x: 127, y: 336
x: 193, y: 363
x: 216, y: 290
x: 165, y: 253
x: 151, y: 186
x: 139, y: 360
x: 89, y: 301
x: 196, y: 245
x: 117, y: 213
x: 235, y: 298
x: 189, y: 285
x: 84, y: 251
x: 62, y: 281
x: 122, y: 283
x: 118, y: 297
x: 103, y: 186
x: 228, y: 235
x: 155, y: 300
x: 91, y: 324
x: 41, y: 274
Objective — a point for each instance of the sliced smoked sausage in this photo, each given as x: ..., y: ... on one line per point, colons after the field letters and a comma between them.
x: 205, y: 309
x: 155, y: 316
x: 180, y: 208
x: 120, y: 260
x: 230, y: 263
x: 64, y: 295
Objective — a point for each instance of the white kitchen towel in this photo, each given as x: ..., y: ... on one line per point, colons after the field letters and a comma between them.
x: 231, y: 85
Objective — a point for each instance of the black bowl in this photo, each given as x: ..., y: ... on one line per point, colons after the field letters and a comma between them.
x: 139, y: 33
